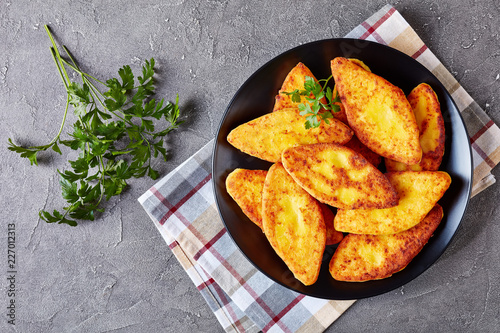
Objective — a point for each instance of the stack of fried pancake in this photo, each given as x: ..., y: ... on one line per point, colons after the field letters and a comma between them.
x: 327, y: 185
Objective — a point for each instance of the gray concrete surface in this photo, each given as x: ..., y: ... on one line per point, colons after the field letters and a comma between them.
x: 116, y: 274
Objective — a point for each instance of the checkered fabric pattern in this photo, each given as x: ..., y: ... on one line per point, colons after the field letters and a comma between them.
x: 182, y: 206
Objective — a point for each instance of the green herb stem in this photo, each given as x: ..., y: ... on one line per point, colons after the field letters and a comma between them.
x: 56, y: 51
x: 105, y: 119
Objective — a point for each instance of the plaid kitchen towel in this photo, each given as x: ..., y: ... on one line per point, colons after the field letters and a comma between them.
x: 182, y: 206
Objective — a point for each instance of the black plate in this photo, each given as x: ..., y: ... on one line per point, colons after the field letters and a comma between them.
x: 256, y: 98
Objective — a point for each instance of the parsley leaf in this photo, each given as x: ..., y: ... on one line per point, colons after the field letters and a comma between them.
x: 115, y: 135
x: 315, y: 110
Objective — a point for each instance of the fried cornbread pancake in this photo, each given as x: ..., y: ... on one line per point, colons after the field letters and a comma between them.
x: 372, y: 257
x: 245, y: 187
x: 418, y: 191
x: 339, y: 177
x: 427, y: 110
x: 267, y: 136
x: 354, y: 143
x: 378, y: 112
x: 340, y: 114
x: 293, y: 223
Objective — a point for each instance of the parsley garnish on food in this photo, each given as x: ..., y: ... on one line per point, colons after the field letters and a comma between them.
x: 115, y: 135
x: 315, y: 111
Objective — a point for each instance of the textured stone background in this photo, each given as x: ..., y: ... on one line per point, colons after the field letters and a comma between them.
x: 116, y: 274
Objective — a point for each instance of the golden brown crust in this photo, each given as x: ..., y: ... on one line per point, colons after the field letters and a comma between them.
x: 332, y: 236
x: 339, y: 177
x: 427, y: 110
x: 363, y: 150
x: 293, y: 223
x: 340, y: 114
x: 378, y: 112
x: 245, y: 187
x: 369, y: 257
x: 418, y: 192
x: 267, y: 136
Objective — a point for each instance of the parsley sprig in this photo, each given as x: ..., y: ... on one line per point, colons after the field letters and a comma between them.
x: 315, y: 111
x: 115, y: 135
